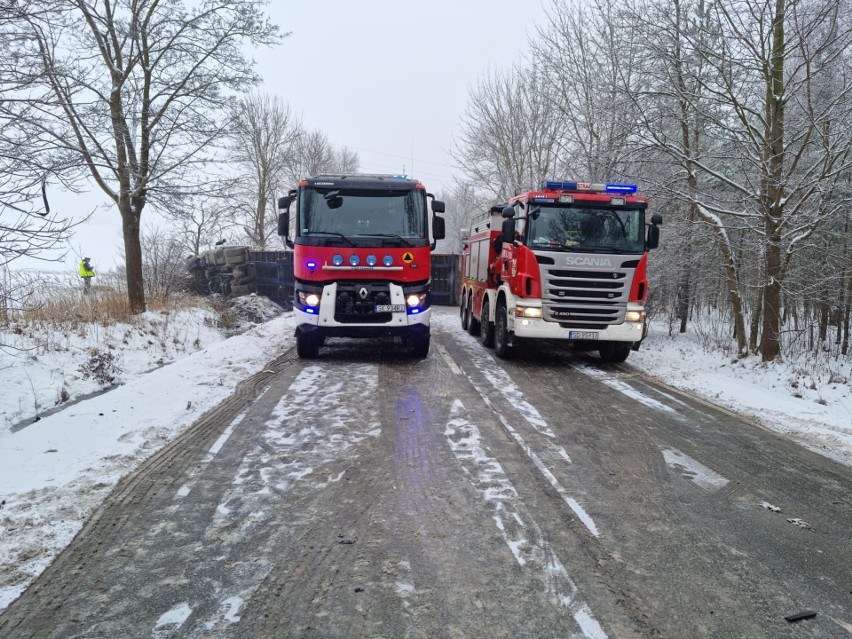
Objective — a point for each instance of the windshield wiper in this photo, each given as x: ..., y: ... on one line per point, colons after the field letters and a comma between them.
x: 399, y: 237
x: 340, y: 235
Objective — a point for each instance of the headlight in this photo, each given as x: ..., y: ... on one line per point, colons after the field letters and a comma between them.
x: 309, y: 299
x: 415, y: 299
x: 354, y: 260
x: 527, y: 311
x: 387, y: 260
x: 371, y: 260
x: 337, y: 260
x: 635, y: 316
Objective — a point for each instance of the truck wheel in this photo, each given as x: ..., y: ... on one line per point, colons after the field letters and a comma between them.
x: 486, y: 328
x: 472, y: 322
x: 502, y: 347
x: 307, y: 346
x: 614, y: 352
x: 420, y: 346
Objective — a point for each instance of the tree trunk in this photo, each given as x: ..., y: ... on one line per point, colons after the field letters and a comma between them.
x: 847, y: 311
x: 756, y: 317
x: 133, y: 256
x: 772, y: 198
x: 770, y: 343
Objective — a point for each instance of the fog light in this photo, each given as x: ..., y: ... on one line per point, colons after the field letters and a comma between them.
x: 387, y: 260
x: 371, y: 260
x: 635, y: 316
x: 354, y: 260
x: 337, y: 260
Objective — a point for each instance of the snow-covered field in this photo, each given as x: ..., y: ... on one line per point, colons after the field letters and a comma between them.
x: 170, y: 369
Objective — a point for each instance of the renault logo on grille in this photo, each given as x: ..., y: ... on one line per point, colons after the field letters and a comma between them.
x: 362, y: 292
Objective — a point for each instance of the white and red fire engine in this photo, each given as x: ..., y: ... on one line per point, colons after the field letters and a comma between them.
x: 566, y: 262
x: 361, y: 258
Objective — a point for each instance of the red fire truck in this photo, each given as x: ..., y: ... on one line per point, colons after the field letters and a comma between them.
x: 361, y: 258
x: 565, y: 262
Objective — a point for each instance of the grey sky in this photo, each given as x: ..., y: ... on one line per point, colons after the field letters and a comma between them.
x: 386, y: 79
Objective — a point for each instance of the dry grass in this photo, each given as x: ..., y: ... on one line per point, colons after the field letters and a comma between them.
x: 65, y: 304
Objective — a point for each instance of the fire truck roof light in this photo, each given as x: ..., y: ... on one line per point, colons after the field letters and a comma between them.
x: 558, y: 186
x: 553, y: 185
x: 621, y: 188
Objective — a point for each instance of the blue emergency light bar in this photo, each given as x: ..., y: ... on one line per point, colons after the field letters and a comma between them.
x: 586, y: 186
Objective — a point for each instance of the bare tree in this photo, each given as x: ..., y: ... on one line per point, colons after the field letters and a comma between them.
x: 203, y: 219
x: 463, y: 202
x: 585, y: 63
x: 28, y: 228
x: 163, y: 262
x: 316, y: 154
x: 265, y: 139
x: 133, y: 95
x: 509, y: 138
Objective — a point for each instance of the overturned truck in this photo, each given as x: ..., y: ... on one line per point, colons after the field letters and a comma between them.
x: 232, y: 271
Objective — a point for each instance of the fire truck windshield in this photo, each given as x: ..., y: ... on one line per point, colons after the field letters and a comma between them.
x: 586, y: 229
x: 332, y: 216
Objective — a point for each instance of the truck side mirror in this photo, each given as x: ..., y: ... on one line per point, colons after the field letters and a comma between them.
x: 508, y: 231
x: 438, y: 228
x: 437, y: 206
x: 653, y: 239
x: 284, y: 219
x: 508, y: 228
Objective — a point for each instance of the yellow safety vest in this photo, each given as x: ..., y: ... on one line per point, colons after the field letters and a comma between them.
x: 84, y: 272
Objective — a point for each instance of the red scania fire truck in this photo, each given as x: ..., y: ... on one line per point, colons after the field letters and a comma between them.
x: 361, y: 258
x: 565, y: 262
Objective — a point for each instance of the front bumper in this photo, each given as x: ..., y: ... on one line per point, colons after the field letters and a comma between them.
x: 324, y: 323
x: 537, y: 328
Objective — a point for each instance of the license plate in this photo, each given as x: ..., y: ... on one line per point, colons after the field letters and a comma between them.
x: 582, y: 335
x: 390, y: 308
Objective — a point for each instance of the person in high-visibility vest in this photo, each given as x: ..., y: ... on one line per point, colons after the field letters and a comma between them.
x: 87, y: 273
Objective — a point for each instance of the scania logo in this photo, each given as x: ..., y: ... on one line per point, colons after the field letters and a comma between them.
x: 362, y: 292
x: 572, y: 260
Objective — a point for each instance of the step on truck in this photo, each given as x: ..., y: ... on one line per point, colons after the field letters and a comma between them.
x: 361, y: 258
x: 567, y: 262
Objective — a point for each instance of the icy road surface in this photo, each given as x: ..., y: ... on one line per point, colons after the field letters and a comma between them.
x: 367, y: 494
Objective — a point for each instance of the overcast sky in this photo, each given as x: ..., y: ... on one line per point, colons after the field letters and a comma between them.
x: 390, y: 79
x: 387, y: 79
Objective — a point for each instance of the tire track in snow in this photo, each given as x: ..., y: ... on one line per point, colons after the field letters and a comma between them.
x: 623, y: 387
x: 516, y: 525
x: 501, y: 381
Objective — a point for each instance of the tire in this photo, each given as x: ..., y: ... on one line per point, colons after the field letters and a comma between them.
x: 420, y: 346
x: 614, y: 352
x: 486, y: 328
x: 307, y: 346
x: 472, y: 322
x: 502, y: 347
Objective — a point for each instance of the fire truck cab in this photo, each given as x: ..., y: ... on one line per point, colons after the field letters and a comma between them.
x: 566, y: 262
x: 361, y: 258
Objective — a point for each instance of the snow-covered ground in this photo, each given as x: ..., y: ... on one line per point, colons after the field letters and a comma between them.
x: 55, y: 471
